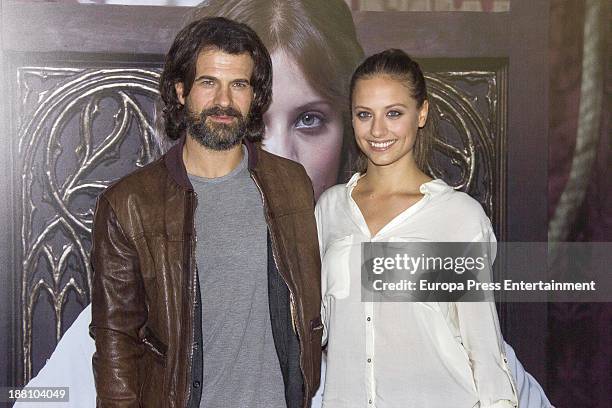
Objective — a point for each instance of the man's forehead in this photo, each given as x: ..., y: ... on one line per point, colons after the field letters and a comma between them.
x: 213, y: 58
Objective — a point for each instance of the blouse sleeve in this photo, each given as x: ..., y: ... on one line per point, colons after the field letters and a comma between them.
x: 324, y: 300
x: 482, y: 339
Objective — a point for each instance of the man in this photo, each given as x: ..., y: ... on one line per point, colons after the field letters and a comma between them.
x: 206, y: 287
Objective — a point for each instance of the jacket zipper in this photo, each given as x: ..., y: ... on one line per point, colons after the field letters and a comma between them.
x: 292, y: 306
x: 193, y: 243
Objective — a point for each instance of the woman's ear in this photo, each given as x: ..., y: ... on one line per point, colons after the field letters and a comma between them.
x: 423, y: 112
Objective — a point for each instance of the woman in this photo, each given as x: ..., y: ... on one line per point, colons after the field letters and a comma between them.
x: 406, y: 354
x: 314, y: 51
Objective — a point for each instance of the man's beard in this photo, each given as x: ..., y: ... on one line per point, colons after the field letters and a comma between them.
x: 214, y: 135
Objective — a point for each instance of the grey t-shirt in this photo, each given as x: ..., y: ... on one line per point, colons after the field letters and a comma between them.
x: 240, y: 363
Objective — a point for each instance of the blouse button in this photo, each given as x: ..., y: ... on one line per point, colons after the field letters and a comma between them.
x: 368, y: 318
x: 369, y: 360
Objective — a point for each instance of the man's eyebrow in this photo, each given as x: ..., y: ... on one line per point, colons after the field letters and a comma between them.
x: 212, y: 78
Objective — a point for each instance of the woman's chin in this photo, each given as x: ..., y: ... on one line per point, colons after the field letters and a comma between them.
x: 378, y: 161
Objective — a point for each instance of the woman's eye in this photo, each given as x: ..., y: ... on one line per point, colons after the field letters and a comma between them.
x: 308, y: 120
x: 394, y: 114
x: 363, y: 115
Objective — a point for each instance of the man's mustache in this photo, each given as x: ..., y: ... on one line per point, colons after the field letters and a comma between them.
x: 220, y: 111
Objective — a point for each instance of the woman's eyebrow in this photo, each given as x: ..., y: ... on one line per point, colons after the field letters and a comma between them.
x: 386, y: 107
x: 395, y: 104
x: 317, y: 104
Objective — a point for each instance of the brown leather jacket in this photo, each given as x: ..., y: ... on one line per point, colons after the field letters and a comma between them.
x: 145, y: 298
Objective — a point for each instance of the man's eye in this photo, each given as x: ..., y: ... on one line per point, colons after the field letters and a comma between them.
x: 308, y: 120
x: 394, y: 114
x: 240, y: 85
x: 207, y: 82
x: 363, y: 115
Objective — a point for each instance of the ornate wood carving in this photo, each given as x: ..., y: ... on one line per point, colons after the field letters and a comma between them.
x: 79, y: 129
x: 471, y: 135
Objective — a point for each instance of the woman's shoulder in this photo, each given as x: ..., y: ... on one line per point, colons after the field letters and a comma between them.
x: 330, y: 203
x: 455, y: 212
x: 337, y: 195
x: 332, y: 194
x: 467, y: 205
x: 339, y: 191
x: 454, y: 201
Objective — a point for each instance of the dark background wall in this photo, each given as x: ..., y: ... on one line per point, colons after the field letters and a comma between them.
x: 580, y: 193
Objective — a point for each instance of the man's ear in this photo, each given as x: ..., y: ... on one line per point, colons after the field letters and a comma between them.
x: 178, y: 87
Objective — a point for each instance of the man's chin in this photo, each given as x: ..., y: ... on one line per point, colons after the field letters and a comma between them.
x: 216, y: 135
x: 219, y: 142
x: 223, y: 147
x: 222, y: 128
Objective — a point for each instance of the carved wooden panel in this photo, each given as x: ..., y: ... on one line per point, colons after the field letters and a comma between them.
x: 78, y: 130
x: 471, y: 135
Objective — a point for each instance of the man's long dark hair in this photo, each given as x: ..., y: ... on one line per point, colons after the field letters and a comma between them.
x: 180, y: 66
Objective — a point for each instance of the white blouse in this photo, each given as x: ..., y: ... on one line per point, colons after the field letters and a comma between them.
x: 404, y: 354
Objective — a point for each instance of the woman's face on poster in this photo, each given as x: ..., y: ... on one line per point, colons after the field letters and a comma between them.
x: 301, y: 125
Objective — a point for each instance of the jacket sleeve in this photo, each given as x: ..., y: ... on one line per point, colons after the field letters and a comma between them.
x: 118, y: 311
x: 482, y: 339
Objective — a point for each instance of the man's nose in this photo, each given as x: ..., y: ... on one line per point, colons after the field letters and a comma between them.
x: 223, y: 97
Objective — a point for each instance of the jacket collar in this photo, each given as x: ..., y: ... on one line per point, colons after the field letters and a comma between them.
x: 176, y: 167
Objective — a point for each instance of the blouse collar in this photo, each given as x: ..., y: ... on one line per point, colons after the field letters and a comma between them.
x: 434, y: 187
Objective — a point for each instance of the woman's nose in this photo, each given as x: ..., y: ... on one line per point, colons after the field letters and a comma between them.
x: 379, y: 127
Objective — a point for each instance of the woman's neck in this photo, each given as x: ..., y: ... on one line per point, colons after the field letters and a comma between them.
x: 398, y: 177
